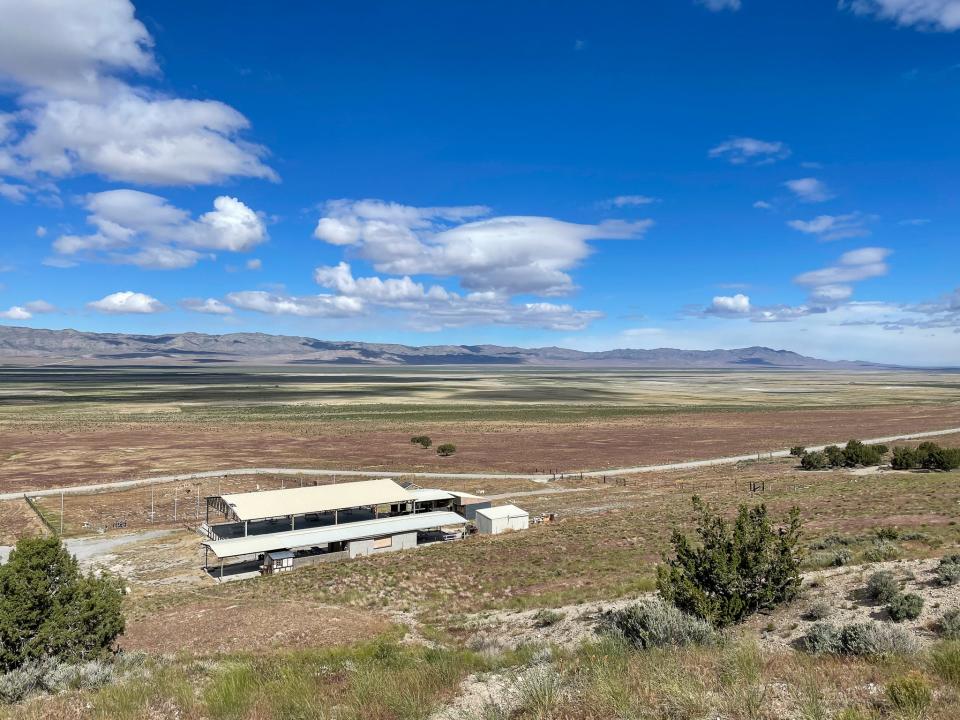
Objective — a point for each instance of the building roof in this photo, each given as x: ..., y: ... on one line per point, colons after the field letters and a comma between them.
x: 291, y: 539
x: 429, y: 495
x: 315, y: 499
x: 467, y: 498
x: 502, y: 511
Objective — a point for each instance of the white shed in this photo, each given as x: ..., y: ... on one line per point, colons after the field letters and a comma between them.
x: 493, y: 521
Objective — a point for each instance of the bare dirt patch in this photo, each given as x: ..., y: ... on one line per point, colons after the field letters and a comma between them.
x: 57, y: 454
x: 213, y: 626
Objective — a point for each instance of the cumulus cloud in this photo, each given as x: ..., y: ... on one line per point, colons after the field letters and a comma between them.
x: 328, y: 306
x: 743, y: 150
x: 138, y: 228
x: 65, y: 62
x: 68, y: 48
x: 127, y: 301
x: 512, y: 254
x: 718, y: 5
x: 738, y: 304
x: 940, y: 15
x: 254, y: 264
x: 425, y: 307
x: 834, y: 227
x: 41, y: 231
x: 828, y: 289
x: 763, y: 205
x: 809, y: 189
x: 16, y: 313
x: 209, y: 306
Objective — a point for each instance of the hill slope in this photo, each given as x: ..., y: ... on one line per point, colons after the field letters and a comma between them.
x: 28, y: 346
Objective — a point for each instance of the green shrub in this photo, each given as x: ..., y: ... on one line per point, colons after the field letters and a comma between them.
x: 887, y: 533
x: 904, y: 458
x: 546, y: 618
x: 51, y: 676
x: 948, y: 571
x: 736, y: 570
x: 823, y: 639
x: 423, y: 441
x: 834, y: 456
x: 876, y: 640
x: 798, y: 451
x: 653, y: 623
x: 928, y: 456
x: 819, y: 610
x: 949, y: 625
x: 830, y: 542
x: 49, y: 609
x: 870, y: 639
x: 882, y: 551
x: 815, y: 460
x: 882, y: 587
x: 446, y: 449
x: 910, y: 694
x: 945, y: 662
x: 906, y: 606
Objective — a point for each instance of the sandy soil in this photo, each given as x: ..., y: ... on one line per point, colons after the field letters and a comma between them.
x: 842, y: 588
x: 210, y: 626
x: 44, y: 456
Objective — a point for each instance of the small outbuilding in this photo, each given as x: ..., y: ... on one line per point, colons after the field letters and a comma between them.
x: 493, y: 521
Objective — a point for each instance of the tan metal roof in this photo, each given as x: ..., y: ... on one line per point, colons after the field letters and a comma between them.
x: 503, y: 511
x: 291, y: 539
x: 320, y: 498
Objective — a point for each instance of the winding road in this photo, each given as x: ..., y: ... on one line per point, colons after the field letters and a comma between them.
x: 688, y: 465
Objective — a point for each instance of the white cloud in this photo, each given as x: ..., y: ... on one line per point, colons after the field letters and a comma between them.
x: 738, y: 304
x: 138, y: 228
x: 76, y: 115
x: 133, y: 138
x: 66, y: 48
x: 763, y: 205
x: 16, y: 313
x: 14, y: 192
x: 433, y: 307
x: 622, y: 201
x: 40, y: 307
x: 742, y: 150
x: 127, y: 302
x: 829, y: 288
x: 718, y: 5
x: 514, y: 254
x: 41, y: 231
x: 210, y: 306
x: 942, y: 15
x: 834, y: 227
x: 254, y: 264
x: 832, y: 284
x: 809, y: 189
x: 303, y: 306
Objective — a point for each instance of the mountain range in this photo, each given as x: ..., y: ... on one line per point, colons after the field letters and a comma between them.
x: 29, y: 346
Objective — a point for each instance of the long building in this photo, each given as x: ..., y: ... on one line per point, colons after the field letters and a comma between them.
x: 280, y: 530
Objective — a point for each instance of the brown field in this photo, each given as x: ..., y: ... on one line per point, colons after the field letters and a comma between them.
x: 244, y: 649
x: 56, y: 454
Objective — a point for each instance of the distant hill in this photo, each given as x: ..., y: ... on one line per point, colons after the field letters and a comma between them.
x: 27, y: 346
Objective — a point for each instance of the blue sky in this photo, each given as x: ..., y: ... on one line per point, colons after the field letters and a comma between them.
x: 594, y: 175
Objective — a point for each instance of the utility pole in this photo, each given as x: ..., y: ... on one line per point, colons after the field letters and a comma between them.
x: 61, y: 513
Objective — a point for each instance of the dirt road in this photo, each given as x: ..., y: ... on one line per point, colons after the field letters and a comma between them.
x: 141, y: 482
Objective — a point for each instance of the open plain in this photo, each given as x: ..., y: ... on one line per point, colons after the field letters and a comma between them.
x: 483, y: 599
